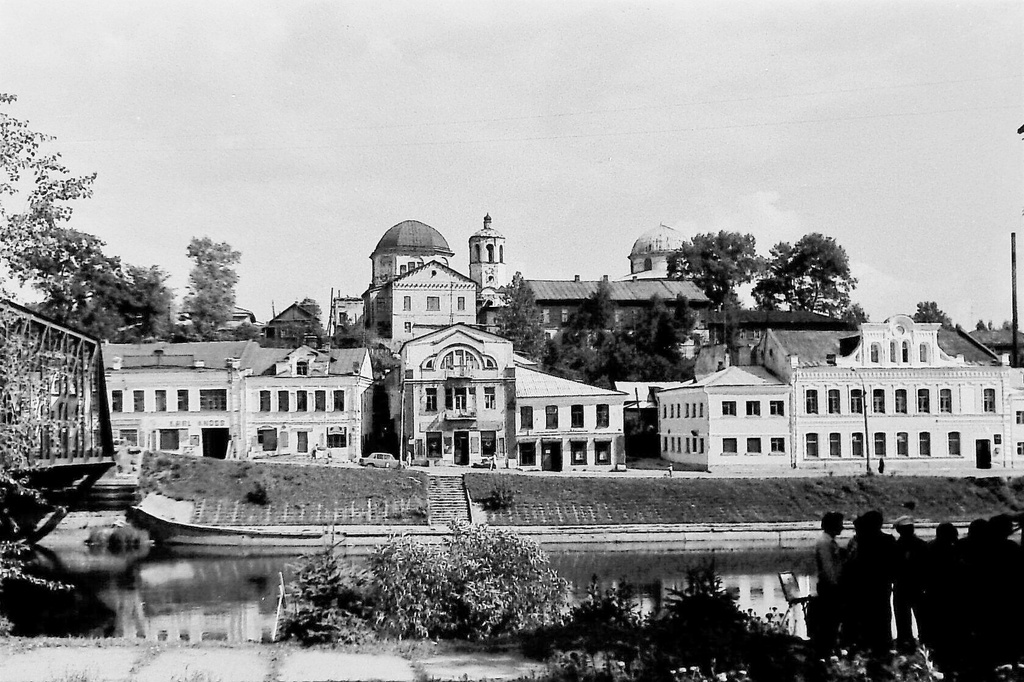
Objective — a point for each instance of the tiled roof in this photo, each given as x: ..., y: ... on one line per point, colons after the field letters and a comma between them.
x: 995, y: 338
x: 740, y: 376
x: 533, y: 384
x: 812, y: 347
x: 621, y: 292
x: 214, y: 354
x: 778, y: 319
x: 262, y: 360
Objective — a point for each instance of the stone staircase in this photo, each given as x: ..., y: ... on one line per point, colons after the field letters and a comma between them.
x: 446, y: 500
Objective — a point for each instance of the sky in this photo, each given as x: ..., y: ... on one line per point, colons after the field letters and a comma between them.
x: 299, y: 132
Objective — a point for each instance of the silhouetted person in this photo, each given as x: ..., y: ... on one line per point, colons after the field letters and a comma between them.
x: 827, y: 608
x: 979, y: 595
x: 1005, y: 576
x: 908, y: 583
x: 867, y: 584
x: 941, y: 626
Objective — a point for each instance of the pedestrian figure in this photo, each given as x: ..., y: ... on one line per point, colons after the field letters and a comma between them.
x: 881, y: 465
x: 976, y: 550
x: 1004, y: 575
x: 908, y: 584
x: 826, y: 608
x: 867, y: 584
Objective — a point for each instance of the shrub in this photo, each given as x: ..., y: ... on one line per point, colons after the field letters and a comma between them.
x: 480, y: 583
x: 258, y: 494
x: 329, y: 601
x: 502, y: 495
x: 118, y: 540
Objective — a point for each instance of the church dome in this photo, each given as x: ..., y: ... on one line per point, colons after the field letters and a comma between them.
x: 661, y: 239
x: 487, y: 230
x: 412, y: 235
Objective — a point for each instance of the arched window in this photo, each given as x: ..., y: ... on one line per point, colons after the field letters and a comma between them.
x: 648, y: 265
x: 490, y: 253
x: 477, y: 249
x: 905, y: 351
x: 892, y: 352
x: 501, y: 253
x: 924, y: 352
x: 876, y: 351
x: 460, y: 357
x: 490, y: 363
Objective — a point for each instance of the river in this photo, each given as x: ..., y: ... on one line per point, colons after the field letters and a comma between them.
x: 158, y: 595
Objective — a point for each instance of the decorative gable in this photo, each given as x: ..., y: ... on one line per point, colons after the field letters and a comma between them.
x: 434, y: 275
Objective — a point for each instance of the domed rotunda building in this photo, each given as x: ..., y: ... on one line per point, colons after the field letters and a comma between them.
x: 651, y: 251
x: 405, y: 246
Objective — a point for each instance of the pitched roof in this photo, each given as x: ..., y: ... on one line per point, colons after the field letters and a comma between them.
x: 429, y: 264
x: 533, y: 384
x: 214, y: 354
x: 262, y: 360
x: 736, y: 375
x: 640, y: 391
x: 812, y: 347
x: 620, y: 292
x: 995, y: 338
x: 778, y: 319
x: 954, y: 342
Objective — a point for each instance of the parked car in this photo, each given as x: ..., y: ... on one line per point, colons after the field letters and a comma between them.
x: 382, y: 460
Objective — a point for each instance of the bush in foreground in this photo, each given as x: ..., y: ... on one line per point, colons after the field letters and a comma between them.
x: 330, y: 602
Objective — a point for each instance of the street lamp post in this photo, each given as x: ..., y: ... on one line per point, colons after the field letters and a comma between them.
x: 864, y: 411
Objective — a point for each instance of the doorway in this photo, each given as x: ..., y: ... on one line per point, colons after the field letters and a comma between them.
x: 488, y: 443
x: 215, y: 443
x: 983, y: 454
x: 551, y: 455
x: 434, y: 445
x: 462, y: 447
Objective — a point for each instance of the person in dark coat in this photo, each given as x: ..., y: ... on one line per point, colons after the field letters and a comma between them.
x: 941, y: 626
x: 908, y: 583
x: 1005, y: 574
x: 867, y: 585
x: 826, y: 609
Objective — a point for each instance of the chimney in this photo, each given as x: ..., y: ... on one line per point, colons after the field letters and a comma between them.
x: 198, y: 364
x: 575, y: 278
x: 604, y: 278
x: 115, y: 362
x: 233, y: 363
x: 1004, y: 359
x: 794, y: 361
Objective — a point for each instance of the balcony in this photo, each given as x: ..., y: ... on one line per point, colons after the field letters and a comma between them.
x: 460, y: 414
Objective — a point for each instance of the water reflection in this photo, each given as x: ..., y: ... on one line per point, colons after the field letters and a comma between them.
x: 161, y: 596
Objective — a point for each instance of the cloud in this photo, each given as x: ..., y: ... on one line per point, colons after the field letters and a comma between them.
x: 883, y: 294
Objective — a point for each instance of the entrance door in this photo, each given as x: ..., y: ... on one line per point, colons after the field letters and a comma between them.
x: 215, y: 443
x: 551, y: 456
x: 434, y: 445
x: 488, y: 443
x: 462, y: 447
x: 983, y: 454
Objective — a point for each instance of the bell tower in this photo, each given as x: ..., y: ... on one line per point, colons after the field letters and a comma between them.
x: 487, y: 257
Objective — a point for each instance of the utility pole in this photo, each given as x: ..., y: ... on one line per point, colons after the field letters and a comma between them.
x: 1013, y: 269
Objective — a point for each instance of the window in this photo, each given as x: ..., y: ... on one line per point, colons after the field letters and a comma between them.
x: 902, y: 444
x: 339, y: 400
x: 408, y: 327
x: 811, y: 401
x: 879, y: 444
x: 449, y: 399
x: 528, y: 454
x: 565, y: 315
x: 856, y: 401
x: 264, y: 401
x: 337, y: 437
x: 576, y: 416
x: 990, y: 400
x: 701, y: 407
x: 129, y: 436
x: 923, y: 354
x: 778, y: 446
x: 664, y: 411
x: 811, y: 447
x: 753, y: 446
x: 431, y: 400
x: 905, y: 352
x: 833, y: 401
x: 728, y: 446
x: 489, y: 400
x: 433, y: 302
x: 320, y: 401
x: 526, y: 417
x: 116, y: 401
x: 602, y: 452
x: 687, y: 410
x: 578, y: 451
x: 551, y: 416
x: 857, y: 445
x: 876, y: 351
x: 545, y: 315
x: 139, y: 401
x: 945, y: 400
x: 282, y: 401
x: 182, y: 400
x: 924, y: 444
x: 461, y: 398
x: 490, y: 253
x: 407, y: 303
x: 169, y: 439
x: 892, y: 352
x: 753, y: 408
x: 777, y: 408
x: 924, y: 400
x: 267, y: 438
x: 461, y: 303
x: 602, y: 416
x: 215, y: 399
x: 301, y: 403
x: 835, y: 445
x: 953, y: 443
x: 901, y: 401
x: 1020, y: 448
x: 878, y: 401
x: 729, y: 408
x: 302, y: 368
x: 460, y: 358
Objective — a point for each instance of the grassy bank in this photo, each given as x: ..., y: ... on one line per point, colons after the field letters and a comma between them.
x: 539, y: 500
x: 241, y: 493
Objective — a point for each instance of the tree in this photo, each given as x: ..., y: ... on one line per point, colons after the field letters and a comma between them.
x: 856, y: 314
x: 520, y: 320
x: 812, y: 275
x: 211, y: 284
x: 717, y: 264
x: 929, y: 311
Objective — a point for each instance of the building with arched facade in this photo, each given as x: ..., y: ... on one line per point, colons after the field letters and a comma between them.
x: 650, y: 254
x: 487, y: 261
